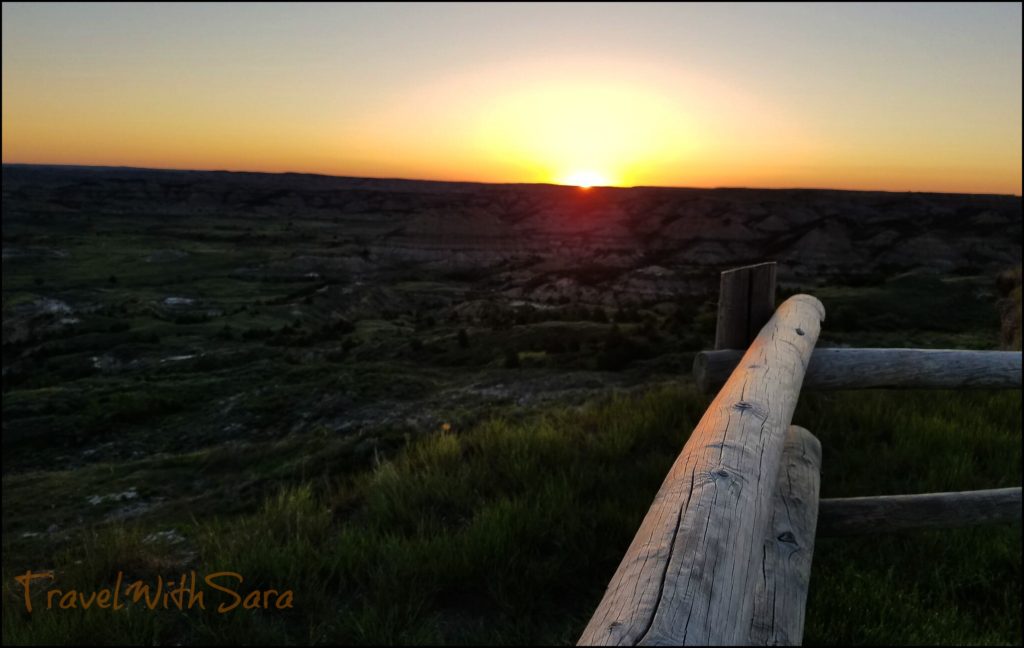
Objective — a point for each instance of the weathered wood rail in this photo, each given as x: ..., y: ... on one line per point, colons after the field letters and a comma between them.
x: 690, y: 573
x: 723, y: 556
x: 888, y: 513
x: 841, y: 368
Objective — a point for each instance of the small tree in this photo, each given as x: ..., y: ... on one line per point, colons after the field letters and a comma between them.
x: 511, y: 359
x: 617, y: 351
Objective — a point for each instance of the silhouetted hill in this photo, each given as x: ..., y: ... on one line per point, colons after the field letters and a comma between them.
x: 646, y: 238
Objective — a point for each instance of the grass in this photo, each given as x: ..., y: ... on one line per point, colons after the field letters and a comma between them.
x: 902, y: 311
x: 508, y: 532
x: 957, y: 586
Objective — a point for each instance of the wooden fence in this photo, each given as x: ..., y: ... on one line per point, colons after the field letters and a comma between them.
x: 723, y: 556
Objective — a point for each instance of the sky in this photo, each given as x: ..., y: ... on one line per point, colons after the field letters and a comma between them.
x: 900, y: 97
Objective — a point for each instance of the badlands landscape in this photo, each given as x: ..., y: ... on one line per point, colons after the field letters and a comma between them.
x: 418, y: 294
x: 189, y: 349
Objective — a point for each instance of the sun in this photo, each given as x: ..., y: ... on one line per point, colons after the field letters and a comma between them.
x: 585, y: 179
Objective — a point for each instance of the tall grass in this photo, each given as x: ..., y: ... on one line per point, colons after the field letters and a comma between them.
x: 509, y: 532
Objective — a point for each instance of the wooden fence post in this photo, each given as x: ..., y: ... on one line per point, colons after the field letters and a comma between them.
x: 746, y: 301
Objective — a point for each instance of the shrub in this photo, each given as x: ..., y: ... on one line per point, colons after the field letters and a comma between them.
x: 511, y: 359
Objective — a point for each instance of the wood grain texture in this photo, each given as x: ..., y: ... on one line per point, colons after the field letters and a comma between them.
x: 886, y: 514
x: 843, y: 368
x: 780, y: 596
x: 689, y: 575
x: 746, y: 300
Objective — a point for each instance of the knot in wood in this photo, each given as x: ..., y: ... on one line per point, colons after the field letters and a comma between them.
x: 760, y: 411
x: 799, y: 331
x: 787, y: 537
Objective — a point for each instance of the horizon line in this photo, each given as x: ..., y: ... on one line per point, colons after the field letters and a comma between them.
x: 480, y: 182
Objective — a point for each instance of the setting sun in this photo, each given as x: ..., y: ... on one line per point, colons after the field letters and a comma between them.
x: 586, y: 179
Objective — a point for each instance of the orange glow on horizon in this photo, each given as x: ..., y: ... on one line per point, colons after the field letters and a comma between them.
x: 593, y: 122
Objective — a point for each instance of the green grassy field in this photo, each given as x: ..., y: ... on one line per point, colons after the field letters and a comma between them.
x: 508, y: 533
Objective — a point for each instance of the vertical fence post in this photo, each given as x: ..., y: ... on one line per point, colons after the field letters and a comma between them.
x: 746, y: 301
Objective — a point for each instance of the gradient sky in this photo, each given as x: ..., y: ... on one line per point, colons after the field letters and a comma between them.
x: 923, y: 97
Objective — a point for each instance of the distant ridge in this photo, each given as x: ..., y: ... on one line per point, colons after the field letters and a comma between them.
x: 637, y: 233
x: 461, y: 184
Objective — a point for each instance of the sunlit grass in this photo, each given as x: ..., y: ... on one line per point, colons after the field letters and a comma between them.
x: 509, y: 531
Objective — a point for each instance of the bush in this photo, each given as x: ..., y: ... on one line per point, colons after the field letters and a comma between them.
x: 146, y: 338
x: 1009, y: 285
x: 192, y: 318
x: 845, y: 318
x: 511, y: 359
x: 343, y: 326
x: 706, y: 320
x: 261, y: 333
x: 617, y: 352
